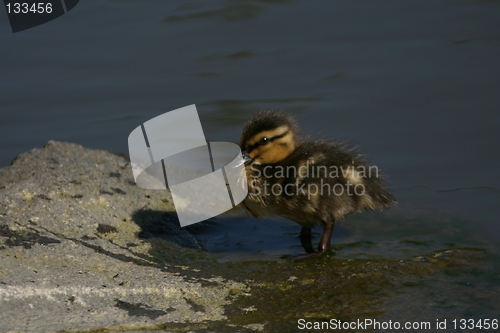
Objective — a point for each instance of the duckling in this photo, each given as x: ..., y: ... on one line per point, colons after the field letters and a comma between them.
x: 310, y: 181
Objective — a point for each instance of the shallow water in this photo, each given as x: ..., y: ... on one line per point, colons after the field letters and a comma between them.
x: 404, y: 232
x: 413, y: 84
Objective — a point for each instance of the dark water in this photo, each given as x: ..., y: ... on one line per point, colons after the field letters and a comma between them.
x: 414, y: 84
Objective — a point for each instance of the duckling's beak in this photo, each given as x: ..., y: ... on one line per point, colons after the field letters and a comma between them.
x: 246, y: 159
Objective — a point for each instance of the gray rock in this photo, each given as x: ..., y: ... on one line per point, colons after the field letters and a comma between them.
x: 82, y: 247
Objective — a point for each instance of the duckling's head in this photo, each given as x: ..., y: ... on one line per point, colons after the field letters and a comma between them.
x: 269, y: 137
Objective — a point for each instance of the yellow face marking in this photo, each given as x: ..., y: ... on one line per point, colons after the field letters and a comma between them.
x: 267, y: 134
x: 274, y: 151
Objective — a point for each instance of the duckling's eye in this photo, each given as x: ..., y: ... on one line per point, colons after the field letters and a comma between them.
x: 263, y: 141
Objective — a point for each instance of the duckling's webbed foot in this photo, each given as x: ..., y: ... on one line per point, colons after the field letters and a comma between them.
x: 305, y: 239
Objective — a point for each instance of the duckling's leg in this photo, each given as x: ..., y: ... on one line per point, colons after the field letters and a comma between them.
x: 324, y: 243
x: 305, y: 238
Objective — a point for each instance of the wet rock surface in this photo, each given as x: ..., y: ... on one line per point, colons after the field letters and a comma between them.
x: 82, y: 248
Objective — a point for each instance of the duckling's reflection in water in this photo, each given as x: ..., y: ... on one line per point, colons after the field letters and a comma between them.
x: 310, y: 181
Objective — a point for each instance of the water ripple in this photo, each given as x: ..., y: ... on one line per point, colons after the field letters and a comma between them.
x: 225, y: 11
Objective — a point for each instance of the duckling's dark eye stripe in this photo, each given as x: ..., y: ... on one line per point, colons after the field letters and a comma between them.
x: 252, y: 147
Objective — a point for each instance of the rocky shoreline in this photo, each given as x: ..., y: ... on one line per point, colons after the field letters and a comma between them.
x: 71, y: 256
x: 84, y: 249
